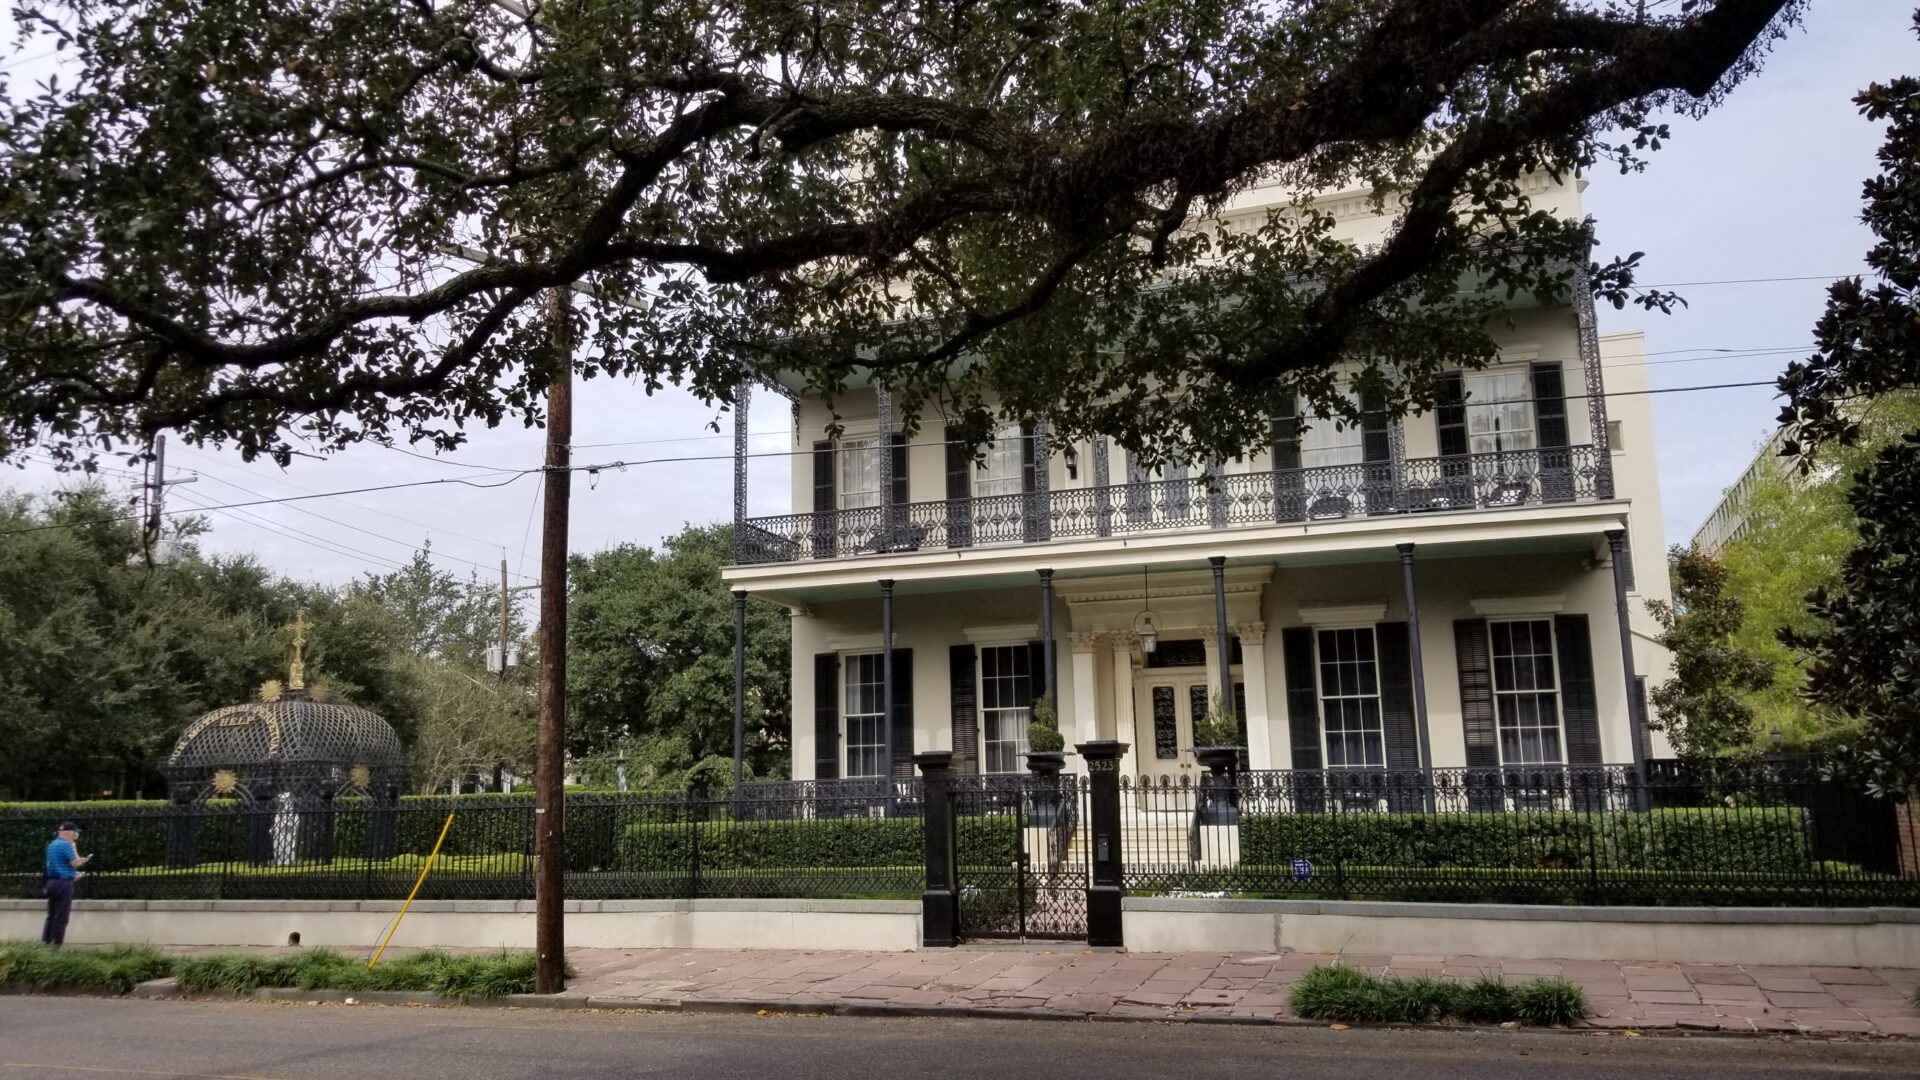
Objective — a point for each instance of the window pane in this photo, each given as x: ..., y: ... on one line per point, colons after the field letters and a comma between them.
x: 859, y: 473
x: 1006, y: 692
x: 1525, y: 699
x: 865, y: 715
x: 1000, y: 473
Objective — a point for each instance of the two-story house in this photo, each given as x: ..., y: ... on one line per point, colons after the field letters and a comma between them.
x: 1461, y: 588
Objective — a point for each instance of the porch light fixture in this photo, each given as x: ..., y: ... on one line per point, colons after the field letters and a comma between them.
x: 1143, y: 622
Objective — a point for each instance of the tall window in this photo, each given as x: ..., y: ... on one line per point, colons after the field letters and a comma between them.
x: 1350, y: 699
x: 859, y: 473
x: 1526, y: 694
x: 866, y: 715
x: 1499, y: 410
x: 1328, y: 441
x: 1000, y: 473
x: 1006, y: 699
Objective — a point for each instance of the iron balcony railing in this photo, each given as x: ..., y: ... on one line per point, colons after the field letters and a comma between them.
x: 1230, y: 500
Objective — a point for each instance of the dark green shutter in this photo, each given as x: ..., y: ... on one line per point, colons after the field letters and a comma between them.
x: 1396, y: 695
x: 1450, y: 415
x: 826, y: 716
x: 959, y: 491
x: 1288, y: 490
x: 825, y: 504
x: 964, y: 699
x: 1303, y: 697
x: 903, y: 713
x: 1579, y: 705
x: 1475, y: 655
x: 1376, y: 453
x: 1550, y: 432
x: 901, y: 488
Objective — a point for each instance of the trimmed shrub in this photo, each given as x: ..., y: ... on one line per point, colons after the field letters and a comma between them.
x: 463, y: 977
x: 1751, y: 840
x: 1487, y: 1000
x: 816, y: 842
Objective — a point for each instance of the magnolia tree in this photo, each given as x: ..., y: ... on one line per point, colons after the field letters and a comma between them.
x: 262, y: 222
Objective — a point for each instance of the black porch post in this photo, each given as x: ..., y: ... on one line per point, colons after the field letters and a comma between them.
x: 940, y: 900
x: 1106, y: 888
x: 1046, y: 635
x: 739, y: 684
x: 1616, y: 543
x: 886, y: 681
x: 1413, y: 654
x: 1225, y: 650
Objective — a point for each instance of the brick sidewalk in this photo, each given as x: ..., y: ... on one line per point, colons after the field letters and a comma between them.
x: 1077, y: 981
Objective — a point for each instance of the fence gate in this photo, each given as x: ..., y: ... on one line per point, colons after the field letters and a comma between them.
x: 1021, y: 843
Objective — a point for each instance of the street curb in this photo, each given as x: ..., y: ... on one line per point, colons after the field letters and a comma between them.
x: 169, y: 989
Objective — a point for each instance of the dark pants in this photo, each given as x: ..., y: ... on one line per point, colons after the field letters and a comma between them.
x: 59, y: 906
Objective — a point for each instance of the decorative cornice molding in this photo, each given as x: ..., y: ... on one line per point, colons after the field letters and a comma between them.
x: 1520, y: 605
x: 1352, y: 611
x: 1001, y: 633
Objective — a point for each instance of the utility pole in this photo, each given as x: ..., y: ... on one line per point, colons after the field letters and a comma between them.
x: 154, y: 491
x: 550, y: 801
x: 503, y: 656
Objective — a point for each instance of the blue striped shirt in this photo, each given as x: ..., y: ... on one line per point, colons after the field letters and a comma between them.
x: 60, y: 856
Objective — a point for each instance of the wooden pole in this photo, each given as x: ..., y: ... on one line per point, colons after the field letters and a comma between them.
x: 550, y: 796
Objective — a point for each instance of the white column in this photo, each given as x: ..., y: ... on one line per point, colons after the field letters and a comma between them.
x: 1123, y: 643
x: 1253, y: 672
x: 1086, y: 695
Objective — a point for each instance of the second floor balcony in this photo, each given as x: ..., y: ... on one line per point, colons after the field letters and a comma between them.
x: 1226, y: 500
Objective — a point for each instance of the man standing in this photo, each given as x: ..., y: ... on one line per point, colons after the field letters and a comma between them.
x: 63, y: 866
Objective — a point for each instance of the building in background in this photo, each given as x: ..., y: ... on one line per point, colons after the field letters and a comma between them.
x: 1436, y: 592
x: 1729, y: 518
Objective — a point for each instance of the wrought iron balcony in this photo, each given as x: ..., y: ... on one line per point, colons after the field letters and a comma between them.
x: 1500, y: 481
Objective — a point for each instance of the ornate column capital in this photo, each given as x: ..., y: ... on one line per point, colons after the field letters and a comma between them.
x: 1253, y: 633
x: 1085, y: 641
x: 1211, y: 636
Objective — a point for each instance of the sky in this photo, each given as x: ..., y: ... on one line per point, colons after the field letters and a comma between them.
x: 1765, y: 186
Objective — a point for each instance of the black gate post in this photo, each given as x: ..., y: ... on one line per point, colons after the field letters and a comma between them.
x: 940, y: 900
x: 1105, y: 889
x: 182, y: 815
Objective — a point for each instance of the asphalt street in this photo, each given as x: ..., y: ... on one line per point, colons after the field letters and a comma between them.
x: 44, y: 1038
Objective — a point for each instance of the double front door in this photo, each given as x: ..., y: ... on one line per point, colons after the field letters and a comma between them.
x: 1167, y: 703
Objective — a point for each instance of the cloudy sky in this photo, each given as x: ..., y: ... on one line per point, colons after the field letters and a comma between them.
x: 1766, y: 187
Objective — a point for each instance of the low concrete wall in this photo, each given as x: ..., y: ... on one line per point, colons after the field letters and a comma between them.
x: 890, y: 925
x: 1840, y: 937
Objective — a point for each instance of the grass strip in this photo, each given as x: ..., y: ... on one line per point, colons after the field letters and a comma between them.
x: 113, y: 969
x: 462, y: 977
x: 1347, y: 994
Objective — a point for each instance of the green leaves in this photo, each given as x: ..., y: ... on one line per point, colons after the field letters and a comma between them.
x: 1704, y: 708
x: 255, y: 221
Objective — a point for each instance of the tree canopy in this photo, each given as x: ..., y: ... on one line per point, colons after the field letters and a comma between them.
x: 269, y: 224
x: 1865, y: 647
x: 1703, y: 708
x: 650, y: 663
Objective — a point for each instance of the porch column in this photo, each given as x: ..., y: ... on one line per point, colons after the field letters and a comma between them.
x: 1210, y: 638
x: 886, y: 677
x: 1225, y: 645
x: 740, y: 400
x: 1413, y: 654
x: 1616, y: 544
x: 1085, y: 693
x: 1253, y: 669
x: 739, y: 683
x: 1046, y: 635
x: 1123, y: 643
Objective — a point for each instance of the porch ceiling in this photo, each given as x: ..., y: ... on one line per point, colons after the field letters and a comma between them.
x: 1013, y: 566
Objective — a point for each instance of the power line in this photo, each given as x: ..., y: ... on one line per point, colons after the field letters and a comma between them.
x: 296, y: 535
x: 682, y: 458
x: 1745, y: 281
x: 409, y: 545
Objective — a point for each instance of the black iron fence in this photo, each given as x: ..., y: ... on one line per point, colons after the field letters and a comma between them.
x: 848, y: 839
x: 1026, y: 849
x: 1504, y: 480
x: 1545, y: 834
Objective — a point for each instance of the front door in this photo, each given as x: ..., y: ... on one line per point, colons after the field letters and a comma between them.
x: 1166, y: 704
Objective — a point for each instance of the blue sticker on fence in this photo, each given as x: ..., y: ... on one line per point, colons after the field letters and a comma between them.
x: 1302, y: 870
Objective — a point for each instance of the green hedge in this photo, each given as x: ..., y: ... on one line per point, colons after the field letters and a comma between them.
x: 750, y: 845
x: 1756, y: 840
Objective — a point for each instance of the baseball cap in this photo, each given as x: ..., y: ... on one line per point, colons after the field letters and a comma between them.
x: 67, y: 826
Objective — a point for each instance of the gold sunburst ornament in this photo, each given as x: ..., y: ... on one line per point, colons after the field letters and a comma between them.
x: 225, y: 782
x: 362, y: 776
x: 271, y: 690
